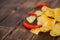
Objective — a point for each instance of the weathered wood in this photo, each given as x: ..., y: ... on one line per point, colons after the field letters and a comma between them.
x: 19, y: 34
x: 6, y: 16
x: 43, y: 36
x: 54, y: 3
x: 2, y: 2
x: 58, y: 38
x: 4, y: 31
x: 12, y: 20
x: 5, y: 10
x: 11, y: 5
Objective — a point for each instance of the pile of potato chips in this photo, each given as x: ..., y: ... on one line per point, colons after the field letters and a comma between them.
x: 49, y: 18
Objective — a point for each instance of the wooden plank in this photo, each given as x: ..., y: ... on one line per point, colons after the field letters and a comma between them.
x: 19, y: 34
x: 6, y: 10
x: 5, y: 15
x: 54, y: 3
x: 1, y: 1
x: 58, y: 4
x: 4, y: 31
x: 11, y: 20
x: 58, y: 38
x: 8, y: 1
x: 43, y: 36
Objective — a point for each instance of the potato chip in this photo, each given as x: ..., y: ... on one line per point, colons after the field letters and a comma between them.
x: 47, y: 23
x: 35, y: 31
x: 57, y: 14
x: 48, y: 11
x: 55, y: 30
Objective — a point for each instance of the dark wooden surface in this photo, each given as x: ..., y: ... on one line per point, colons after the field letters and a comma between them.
x: 12, y: 14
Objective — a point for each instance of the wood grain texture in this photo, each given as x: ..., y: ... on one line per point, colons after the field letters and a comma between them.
x: 4, y: 31
x: 58, y: 38
x: 8, y: 17
x: 44, y: 36
x: 6, y: 10
x: 18, y: 34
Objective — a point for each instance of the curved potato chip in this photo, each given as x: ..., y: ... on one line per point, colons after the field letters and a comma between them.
x: 55, y: 30
x: 35, y: 31
x: 47, y: 23
x: 48, y: 11
x: 57, y: 14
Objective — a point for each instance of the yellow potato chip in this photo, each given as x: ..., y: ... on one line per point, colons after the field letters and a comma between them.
x: 35, y: 31
x: 57, y: 14
x: 48, y: 11
x: 47, y: 23
x: 45, y: 8
x: 55, y: 30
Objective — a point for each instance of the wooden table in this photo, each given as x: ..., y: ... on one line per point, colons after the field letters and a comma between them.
x: 12, y: 13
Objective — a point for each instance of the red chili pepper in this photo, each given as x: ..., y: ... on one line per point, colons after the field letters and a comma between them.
x: 29, y: 26
x: 31, y: 13
x: 40, y: 5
